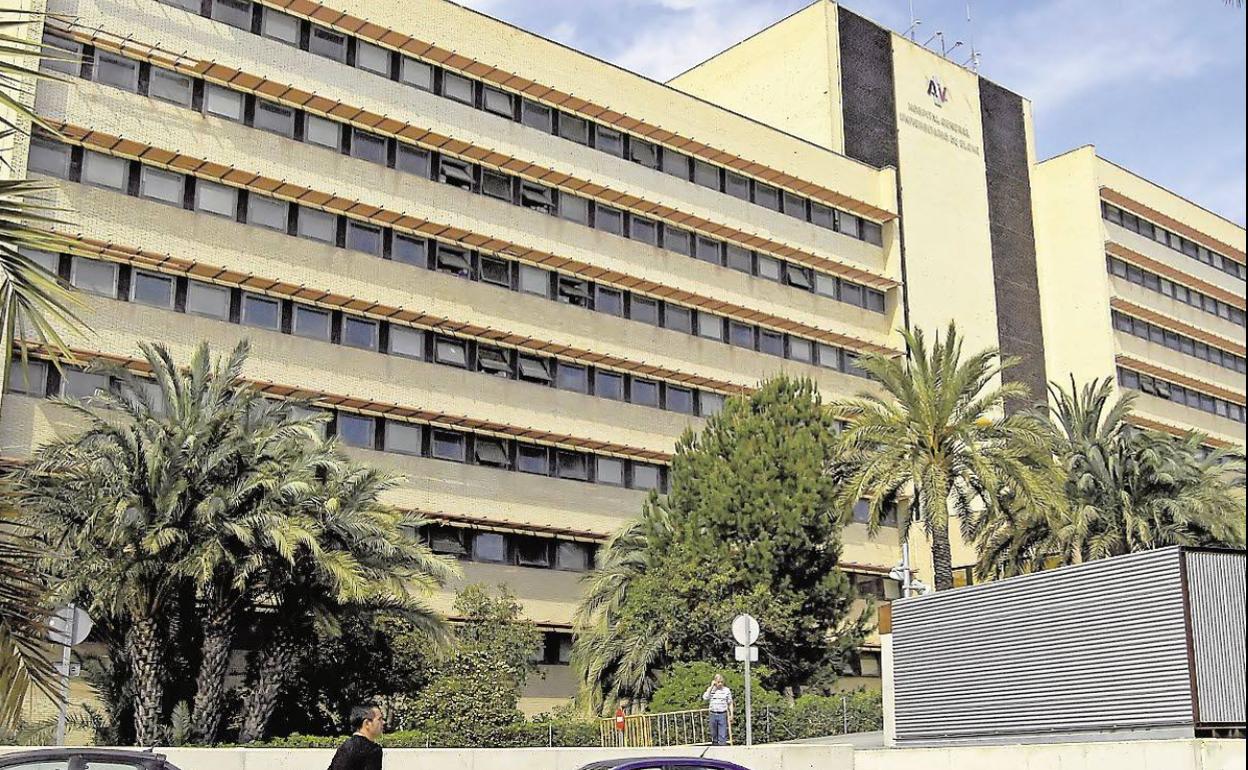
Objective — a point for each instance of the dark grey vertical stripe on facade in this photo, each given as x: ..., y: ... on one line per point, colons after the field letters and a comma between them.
x: 1019, y: 331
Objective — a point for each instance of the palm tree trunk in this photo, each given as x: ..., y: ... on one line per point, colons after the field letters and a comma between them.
x: 942, y: 557
x: 147, y: 666
x: 219, y: 616
x: 277, y: 658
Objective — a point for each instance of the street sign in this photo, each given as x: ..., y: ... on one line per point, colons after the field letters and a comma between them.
x: 70, y: 626
x: 744, y: 653
x: 745, y: 630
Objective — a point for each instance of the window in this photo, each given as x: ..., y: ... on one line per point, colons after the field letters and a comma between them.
x: 741, y: 335
x: 736, y: 185
x: 645, y: 310
x: 236, y: 13
x: 223, y: 102
x: 359, y: 333
x: 490, y: 451
x: 830, y: 357
x: 416, y: 73
x: 643, y: 152
x: 767, y: 196
x: 609, y: 219
x: 675, y: 164
x: 646, y: 476
x: 798, y: 276
x: 535, y: 196
x: 848, y: 224
x: 79, y: 385
x: 573, y: 128
x: 366, y: 146
x: 362, y: 237
x: 268, y: 212
x: 447, y: 445
x: 571, y: 465
x: 739, y: 258
x: 801, y: 350
x: 536, y: 115
x: 872, y: 233
x: 532, y: 552
x: 493, y: 361
x: 410, y: 251
x: 312, y: 323
x: 93, y: 276
x: 402, y: 437
x: 874, y: 300
x: 826, y: 286
x: 317, y: 225
x: 116, y: 71
x: 170, y: 87
x: 497, y: 102
x: 45, y: 259
x: 644, y: 230
x: 572, y: 377
x: 451, y: 352
x: 455, y: 172
x: 533, y: 459
x: 262, y: 312
x: 495, y: 271
x: 208, y: 300
x: 151, y: 289
x: 573, y: 556
x: 413, y: 160
x: 710, y: 403
x: 373, y: 58
x: 610, y: 301
x: 280, y: 26
x: 609, y: 470
x: 534, y: 369
x: 680, y: 241
x: 61, y: 55
x: 768, y: 268
x: 457, y: 87
x: 357, y: 430
x: 50, y: 158
x: 710, y: 326
x: 678, y: 318
x: 573, y: 291
x: 30, y: 377
x: 822, y: 215
x: 794, y: 205
x: 573, y: 208
x: 104, y: 170
x: 214, y: 198
x: 645, y: 392
x: 496, y: 185
x: 771, y: 343
x: 707, y: 250
x: 489, y: 547
x: 707, y: 175
x: 160, y: 185
x: 534, y: 280
x: 275, y: 118
x: 609, y: 385
x: 609, y: 140
x: 448, y: 541
x: 328, y: 44
x: 407, y: 342
x: 679, y: 399
x: 851, y: 293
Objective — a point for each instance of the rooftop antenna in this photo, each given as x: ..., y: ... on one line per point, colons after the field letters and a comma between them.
x: 938, y: 34
x: 956, y: 45
x: 914, y: 23
x: 970, y: 24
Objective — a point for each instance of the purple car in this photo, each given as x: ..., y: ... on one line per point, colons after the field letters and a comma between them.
x: 663, y: 763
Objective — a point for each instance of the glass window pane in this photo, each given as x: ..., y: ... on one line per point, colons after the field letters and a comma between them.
x: 679, y: 399
x: 801, y: 350
x: 768, y: 196
x: 644, y: 230
x: 223, y: 102
x: 268, y: 212
x: 710, y: 326
x: 413, y: 160
x: 610, y: 301
x: 609, y: 140
x: 826, y: 285
x: 498, y: 102
x: 80, y: 385
x: 402, y: 437
x: 280, y: 26
x: 705, y: 174
x: 64, y: 55
x: 161, y: 185
x: 573, y: 208
x: 489, y: 451
x: 740, y: 259
x: 708, y: 250
x: 768, y: 268
x: 275, y: 118
x: 104, y: 170
x: 30, y: 377
x: 675, y: 164
x: 710, y: 403
x: 406, y: 341
x: 572, y: 556
x: 643, y: 152
x: 359, y: 333
x: 741, y: 335
x: 771, y: 343
x: 151, y: 289
x: 534, y: 280
x: 451, y: 352
x: 357, y: 430
x: 117, y: 71
x: 532, y: 459
x: 678, y: 319
x: 170, y: 87
x: 496, y: 271
x: 49, y: 157
x: 365, y: 238
x: 46, y: 259
x: 572, y: 377
x: 208, y: 300
x: 496, y: 185
x: 645, y: 310
x: 645, y: 392
x: 573, y: 128
x: 446, y: 445
x: 416, y: 73
x: 236, y: 13
x: 457, y: 87
x: 536, y: 115
x: 571, y: 465
x: 532, y: 551
x: 318, y: 225
x: 368, y: 147
x: 609, y: 219
x: 535, y: 369
x: 372, y: 57
x: 412, y: 251
x: 830, y: 357
x: 94, y: 276
x: 329, y: 44
x: 214, y: 198
x: 609, y: 385
x: 489, y: 547
x: 610, y: 470
x: 262, y: 312
x: 680, y: 241
x: 822, y: 215
x: 310, y: 322
x: 646, y: 476
x: 322, y: 131
x: 736, y: 185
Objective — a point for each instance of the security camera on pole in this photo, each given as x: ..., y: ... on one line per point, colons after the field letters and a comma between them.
x: 745, y: 630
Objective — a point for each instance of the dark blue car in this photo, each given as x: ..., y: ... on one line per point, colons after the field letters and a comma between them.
x: 663, y: 763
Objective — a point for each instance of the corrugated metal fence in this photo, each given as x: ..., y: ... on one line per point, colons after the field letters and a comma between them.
x: 1217, y: 597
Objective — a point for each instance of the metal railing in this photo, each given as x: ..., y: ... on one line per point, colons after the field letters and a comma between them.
x: 673, y: 728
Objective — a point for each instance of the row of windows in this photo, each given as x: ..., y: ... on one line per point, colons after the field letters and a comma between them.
x: 1196, y: 299
x: 387, y: 151
x: 291, y: 317
x: 1175, y: 341
x: 1174, y: 241
x: 390, y: 64
x: 516, y: 550
x: 134, y: 178
x: 36, y: 378
x: 1180, y: 395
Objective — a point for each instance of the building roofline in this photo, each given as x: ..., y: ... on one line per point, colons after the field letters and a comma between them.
x: 748, y: 38
x: 1167, y: 190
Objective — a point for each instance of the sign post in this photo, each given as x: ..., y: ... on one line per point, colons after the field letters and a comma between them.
x: 745, y: 631
x: 68, y: 627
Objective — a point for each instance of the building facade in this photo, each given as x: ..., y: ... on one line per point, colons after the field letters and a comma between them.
x: 515, y: 273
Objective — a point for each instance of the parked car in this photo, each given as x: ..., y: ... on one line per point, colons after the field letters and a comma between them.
x: 663, y: 763
x: 84, y: 759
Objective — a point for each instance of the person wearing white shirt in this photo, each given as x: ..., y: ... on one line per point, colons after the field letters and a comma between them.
x: 719, y: 699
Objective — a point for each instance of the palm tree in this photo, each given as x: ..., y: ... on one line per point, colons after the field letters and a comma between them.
x: 359, y: 553
x: 612, y: 661
x: 941, y: 435
x: 23, y: 618
x: 1128, y: 489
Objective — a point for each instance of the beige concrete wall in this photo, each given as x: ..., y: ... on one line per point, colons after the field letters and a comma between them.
x: 1110, y: 755
x: 787, y: 75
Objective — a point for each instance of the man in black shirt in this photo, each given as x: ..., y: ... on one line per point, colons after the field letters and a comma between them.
x: 361, y: 752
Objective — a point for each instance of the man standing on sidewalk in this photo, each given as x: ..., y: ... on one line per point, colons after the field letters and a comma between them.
x: 719, y: 698
x: 360, y: 751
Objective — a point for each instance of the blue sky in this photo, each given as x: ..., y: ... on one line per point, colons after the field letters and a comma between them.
x: 1157, y: 85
